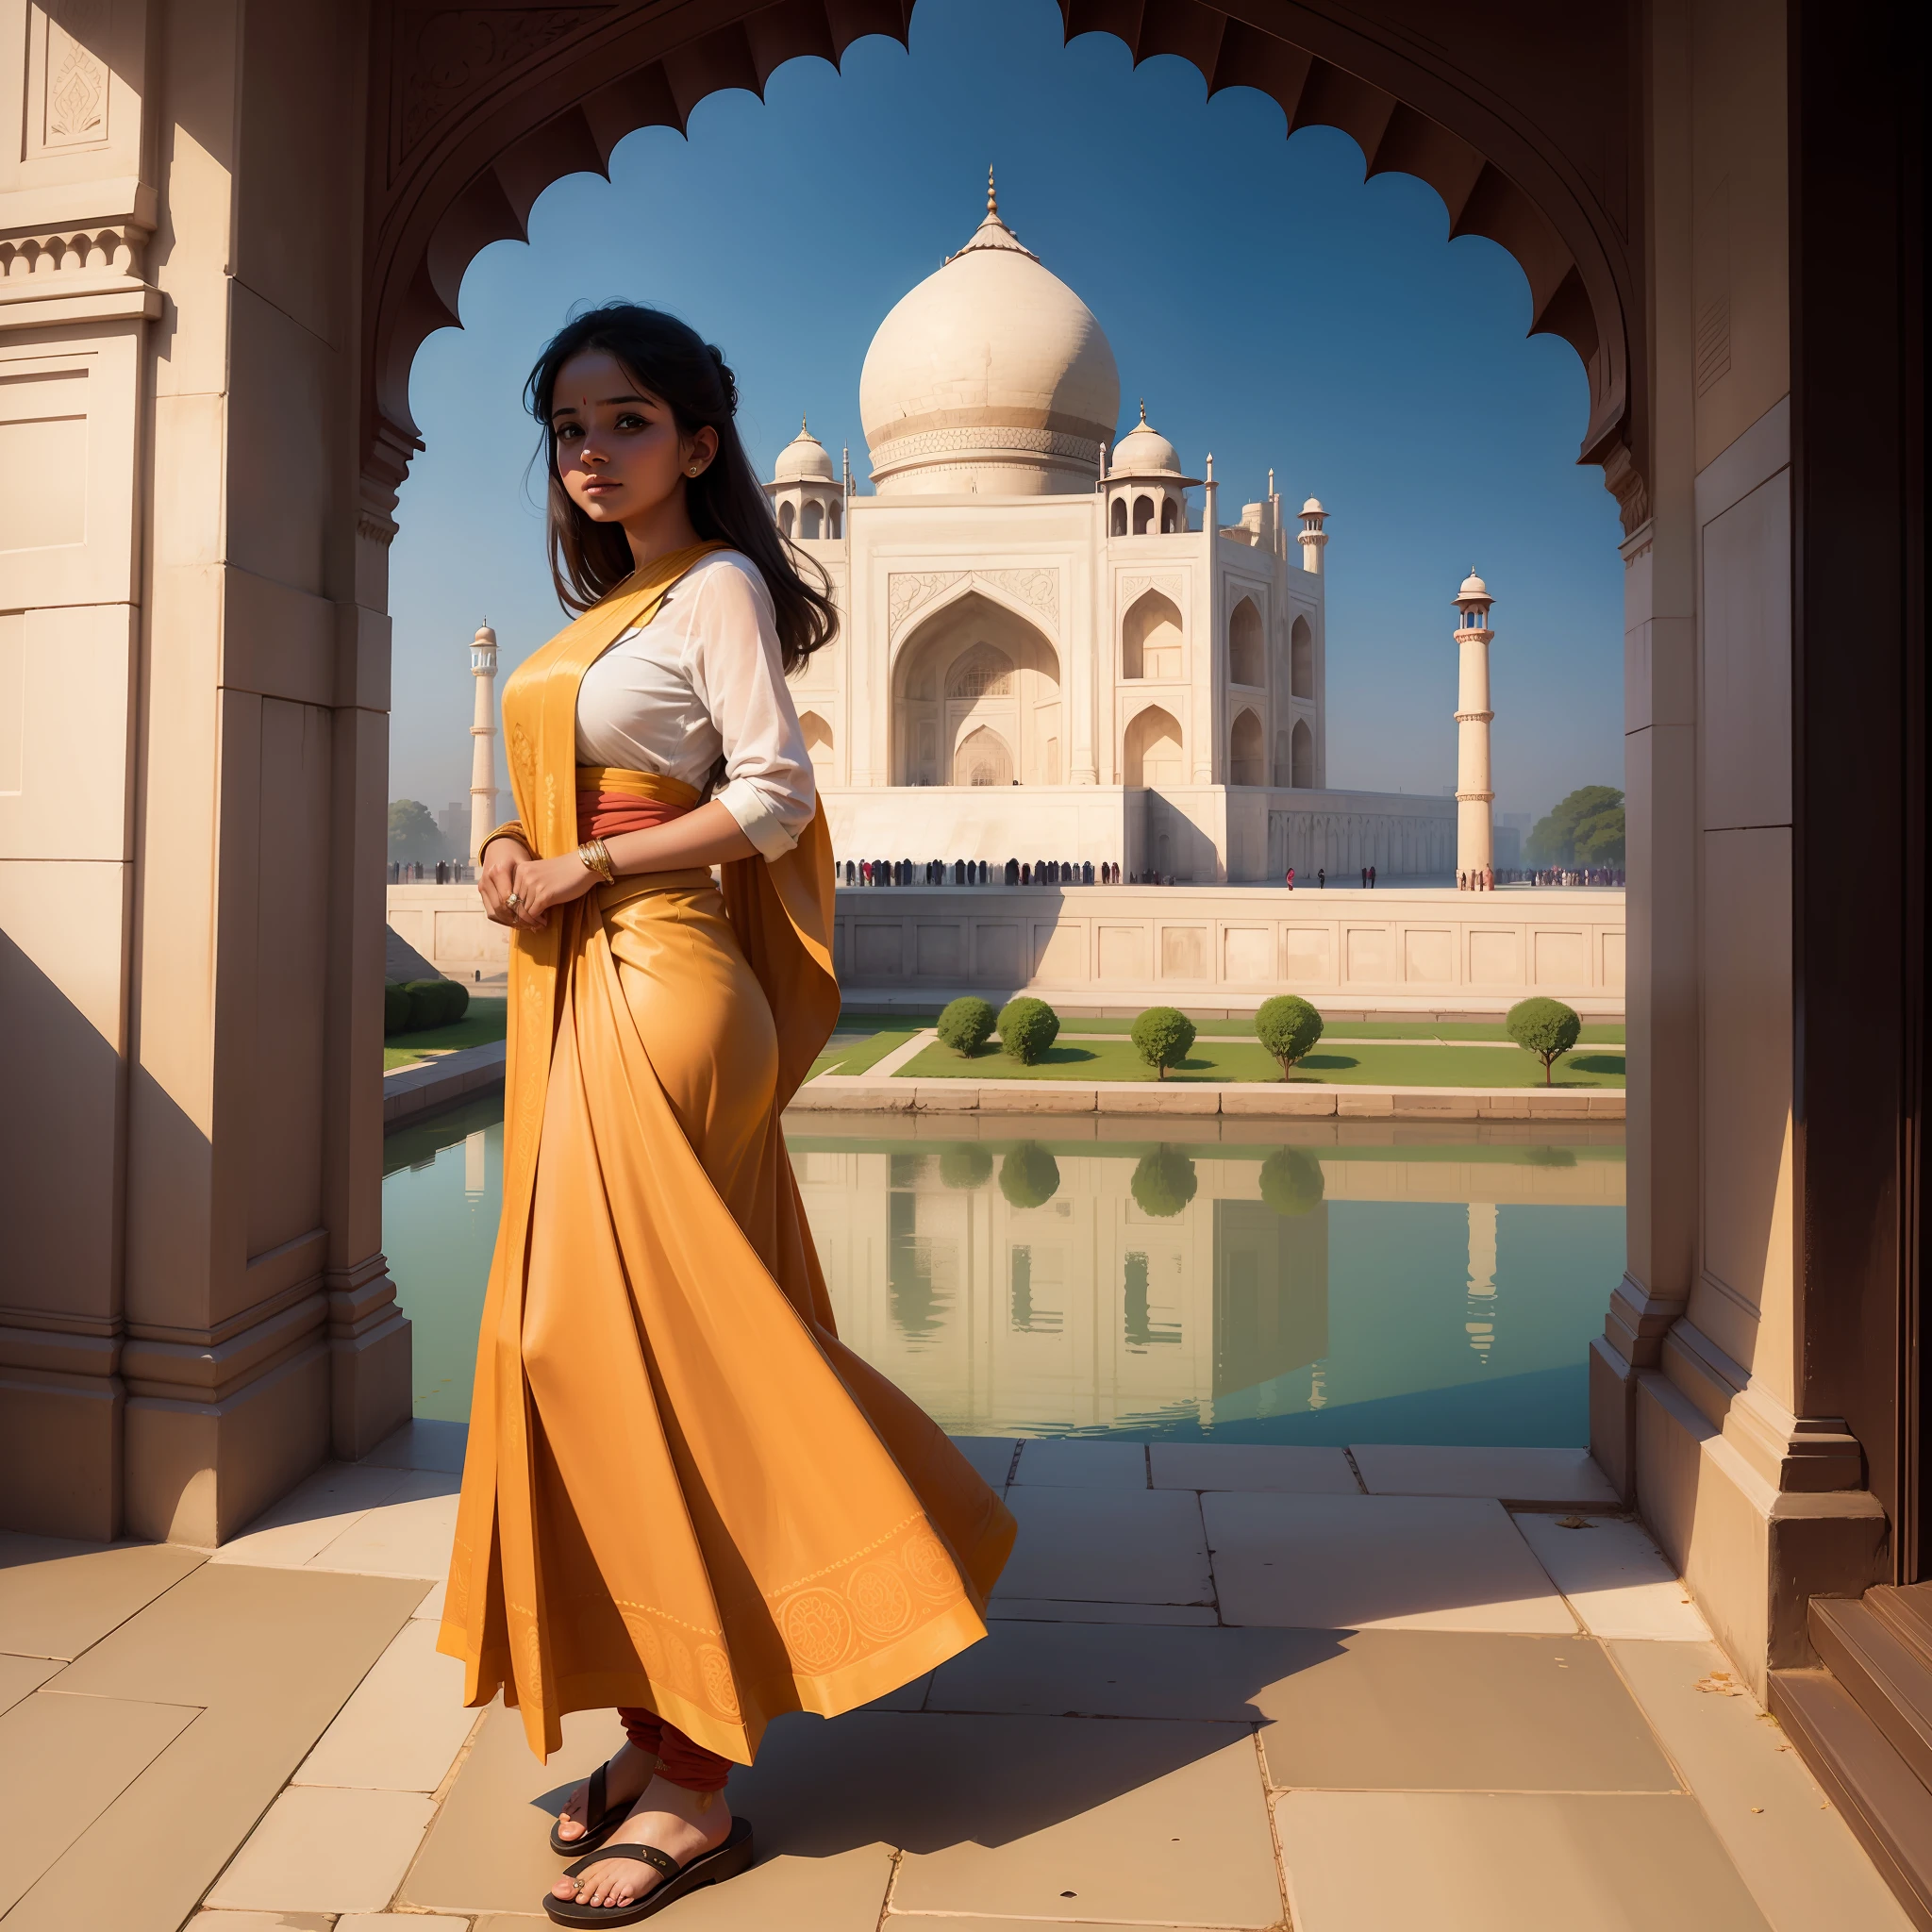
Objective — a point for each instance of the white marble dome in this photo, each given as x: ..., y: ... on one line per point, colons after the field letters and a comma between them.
x: 1144, y: 452
x: 803, y: 459
x: 1473, y: 590
x: 990, y: 377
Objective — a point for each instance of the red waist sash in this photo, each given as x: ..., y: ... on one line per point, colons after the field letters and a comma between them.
x: 611, y: 800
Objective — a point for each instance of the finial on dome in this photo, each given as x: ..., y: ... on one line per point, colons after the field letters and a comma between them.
x: 992, y: 200
x: 1143, y: 412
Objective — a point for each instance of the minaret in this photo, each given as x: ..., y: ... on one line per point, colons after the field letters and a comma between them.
x: 1475, y: 838
x: 1313, y: 538
x: 483, y: 740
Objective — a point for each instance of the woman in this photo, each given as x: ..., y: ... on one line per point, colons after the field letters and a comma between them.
x: 683, y: 1497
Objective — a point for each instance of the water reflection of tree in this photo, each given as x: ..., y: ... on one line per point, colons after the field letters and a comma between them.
x: 1029, y: 1176
x: 1164, y: 1182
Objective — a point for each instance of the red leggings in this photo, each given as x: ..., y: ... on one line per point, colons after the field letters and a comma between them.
x: 679, y: 1761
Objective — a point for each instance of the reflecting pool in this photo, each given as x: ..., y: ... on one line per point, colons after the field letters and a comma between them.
x: 1305, y: 1282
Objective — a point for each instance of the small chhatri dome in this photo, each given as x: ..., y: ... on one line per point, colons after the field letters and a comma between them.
x: 992, y: 377
x: 803, y: 459
x: 1474, y: 590
x: 1314, y: 508
x: 1144, y: 452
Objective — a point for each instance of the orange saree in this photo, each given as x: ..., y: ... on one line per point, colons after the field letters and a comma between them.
x: 682, y: 1491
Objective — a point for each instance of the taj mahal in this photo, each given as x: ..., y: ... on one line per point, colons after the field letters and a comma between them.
x: 1045, y: 649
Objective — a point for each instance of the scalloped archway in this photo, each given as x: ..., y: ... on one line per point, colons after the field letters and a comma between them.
x: 474, y: 112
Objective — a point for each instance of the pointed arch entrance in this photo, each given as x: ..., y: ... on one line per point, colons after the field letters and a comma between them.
x: 975, y: 672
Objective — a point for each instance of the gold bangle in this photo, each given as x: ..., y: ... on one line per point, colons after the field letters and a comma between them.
x: 596, y: 858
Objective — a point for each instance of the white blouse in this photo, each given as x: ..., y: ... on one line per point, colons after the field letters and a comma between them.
x: 705, y: 677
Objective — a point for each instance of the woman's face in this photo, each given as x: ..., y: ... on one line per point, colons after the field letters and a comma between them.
x: 619, y: 451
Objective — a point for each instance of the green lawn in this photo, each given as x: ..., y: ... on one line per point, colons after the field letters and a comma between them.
x: 1216, y: 1060
x: 483, y: 1023
x: 860, y: 1055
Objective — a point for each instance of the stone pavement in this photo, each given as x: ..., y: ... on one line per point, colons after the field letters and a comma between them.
x: 1356, y: 1691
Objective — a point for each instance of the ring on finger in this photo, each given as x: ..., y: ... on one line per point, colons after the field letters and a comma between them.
x: 513, y: 902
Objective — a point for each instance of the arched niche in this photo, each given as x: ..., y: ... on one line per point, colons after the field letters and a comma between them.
x: 460, y: 148
x: 973, y: 663
x: 788, y: 519
x: 1170, y: 516
x: 1300, y: 771
x: 811, y: 526
x: 1301, y: 659
x: 1117, y: 523
x: 1151, y: 749
x: 1245, y: 647
x: 1151, y: 638
x: 1245, y: 764
x: 984, y: 757
x: 1143, y: 515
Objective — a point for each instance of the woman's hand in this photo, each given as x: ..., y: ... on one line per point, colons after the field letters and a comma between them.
x: 545, y: 883
x: 503, y: 860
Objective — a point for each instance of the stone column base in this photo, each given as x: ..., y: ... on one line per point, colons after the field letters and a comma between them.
x: 61, y: 1412
x: 1753, y: 1553
x: 371, y: 1362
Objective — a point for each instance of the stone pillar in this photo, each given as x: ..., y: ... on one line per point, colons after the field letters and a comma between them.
x: 200, y: 1310
x: 1476, y: 797
x: 483, y: 819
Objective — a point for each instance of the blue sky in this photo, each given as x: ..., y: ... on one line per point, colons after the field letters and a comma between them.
x: 1271, y: 307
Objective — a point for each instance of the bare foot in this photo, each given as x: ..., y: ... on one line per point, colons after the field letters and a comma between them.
x: 624, y: 1779
x: 685, y: 1823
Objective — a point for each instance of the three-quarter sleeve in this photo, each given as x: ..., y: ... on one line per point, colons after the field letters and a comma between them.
x: 737, y: 671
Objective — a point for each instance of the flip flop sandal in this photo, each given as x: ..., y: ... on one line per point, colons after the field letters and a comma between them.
x: 600, y: 1816
x: 712, y: 1868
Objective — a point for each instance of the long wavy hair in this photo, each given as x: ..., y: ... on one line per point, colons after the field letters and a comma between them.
x: 671, y: 360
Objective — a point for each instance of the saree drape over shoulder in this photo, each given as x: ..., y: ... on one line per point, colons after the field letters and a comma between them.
x: 682, y: 1491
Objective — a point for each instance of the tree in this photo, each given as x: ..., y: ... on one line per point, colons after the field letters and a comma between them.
x: 968, y: 1166
x: 1546, y: 1028
x: 1586, y: 828
x: 1027, y: 1028
x: 1162, y: 1036
x: 1289, y: 1027
x: 414, y: 837
x: 966, y: 1026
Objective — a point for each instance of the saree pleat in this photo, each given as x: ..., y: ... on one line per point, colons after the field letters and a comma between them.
x: 682, y: 1491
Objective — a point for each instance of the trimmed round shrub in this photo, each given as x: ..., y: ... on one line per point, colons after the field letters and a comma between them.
x: 396, y: 1006
x: 1291, y: 1181
x: 1546, y: 1028
x: 1288, y: 1026
x: 1027, y: 1028
x: 967, y: 1024
x: 965, y: 1167
x: 436, y: 1003
x: 1029, y: 1176
x: 1162, y: 1036
x: 1164, y: 1182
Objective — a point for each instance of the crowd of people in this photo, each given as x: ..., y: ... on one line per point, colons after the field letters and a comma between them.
x: 1489, y: 879
x: 445, y: 871
x: 971, y: 872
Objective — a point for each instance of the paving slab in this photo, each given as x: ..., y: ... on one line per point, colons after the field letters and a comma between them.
x: 1027, y: 1610
x: 992, y: 1456
x: 488, y: 1850
x: 1514, y: 1475
x: 20, y: 1675
x: 399, y: 1922
x: 270, y: 1655
x: 260, y: 1922
x: 1296, y: 1469
x: 1375, y: 1861
x: 1390, y: 1562
x: 1617, y: 1579
x: 421, y: 1445
x: 1148, y: 1671
x: 1794, y: 1850
x: 1116, y: 1836
x: 63, y: 1760
x: 403, y: 1727
x: 1114, y: 1546
x: 1436, y: 1710
x: 326, y: 1851
x: 1082, y: 1463
x: 408, y: 1535
x: 311, y: 1516
x: 56, y: 1598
